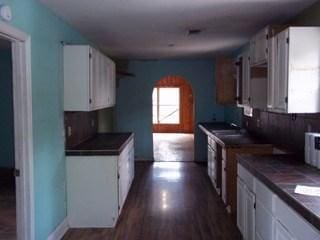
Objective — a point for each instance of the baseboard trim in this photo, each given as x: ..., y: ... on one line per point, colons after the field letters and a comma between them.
x: 60, y: 231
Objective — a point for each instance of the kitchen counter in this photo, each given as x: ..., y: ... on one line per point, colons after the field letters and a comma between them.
x: 231, y: 140
x: 101, y: 144
x: 282, y: 174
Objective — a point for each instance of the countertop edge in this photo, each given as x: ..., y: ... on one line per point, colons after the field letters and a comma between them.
x: 298, y: 207
x: 101, y: 152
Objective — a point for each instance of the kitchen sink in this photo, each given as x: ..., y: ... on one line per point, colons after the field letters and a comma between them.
x: 230, y: 132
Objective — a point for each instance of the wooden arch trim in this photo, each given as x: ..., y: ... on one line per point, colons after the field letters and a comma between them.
x: 186, y: 106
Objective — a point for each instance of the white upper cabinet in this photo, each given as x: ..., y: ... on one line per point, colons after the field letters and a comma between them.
x: 294, y: 74
x: 89, y: 79
x: 243, y: 79
x: 259, y: 47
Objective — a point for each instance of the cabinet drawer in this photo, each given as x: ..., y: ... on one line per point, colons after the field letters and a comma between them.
x: 246, y: 177
x: 295, y: 224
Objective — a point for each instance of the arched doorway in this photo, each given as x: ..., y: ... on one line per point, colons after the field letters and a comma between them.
x: 173, y: 119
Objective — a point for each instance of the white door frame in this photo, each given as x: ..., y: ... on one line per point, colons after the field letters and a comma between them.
x: 23, y: 137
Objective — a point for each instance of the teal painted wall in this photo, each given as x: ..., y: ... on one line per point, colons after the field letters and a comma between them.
x: 6, y: 110
x: 46, y: 31
x: 133, y: 110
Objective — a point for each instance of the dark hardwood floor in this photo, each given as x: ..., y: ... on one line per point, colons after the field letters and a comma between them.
x: 168, y: 201
x: 7, y: 205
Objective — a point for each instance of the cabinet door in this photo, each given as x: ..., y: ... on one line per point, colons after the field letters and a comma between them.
x: 240, y: 206
x: 124, y: 176
x: 209, y: 162
x: 252, y: 51
x: 224, y: 182
x: 214, y: 168
x: 225, y: 90
x: 249, y: 199
x: 272, y: 68
x: 104, y: 82
x: 94, y: 78
x: 260, y: 48
x: 246, y: 80
x: 281, y: 72
x: 245, y: 211
x: 281, y: 233
x: 112, y: 84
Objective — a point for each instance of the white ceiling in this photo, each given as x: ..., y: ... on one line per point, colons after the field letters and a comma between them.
x: 143, y: 29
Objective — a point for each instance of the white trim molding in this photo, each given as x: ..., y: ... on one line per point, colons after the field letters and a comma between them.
x: 60, y: 231
x: 23, y: 131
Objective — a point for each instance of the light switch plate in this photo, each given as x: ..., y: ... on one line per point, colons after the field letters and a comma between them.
x: 69, y: 131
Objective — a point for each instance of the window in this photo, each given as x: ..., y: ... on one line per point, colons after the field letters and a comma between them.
x: 166, y: 105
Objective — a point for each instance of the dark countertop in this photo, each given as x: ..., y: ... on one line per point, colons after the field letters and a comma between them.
x: 231, y: 140
x: 282, y: 174
x: 101, y: 144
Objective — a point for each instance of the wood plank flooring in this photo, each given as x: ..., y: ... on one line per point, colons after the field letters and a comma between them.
x: 168, y: 201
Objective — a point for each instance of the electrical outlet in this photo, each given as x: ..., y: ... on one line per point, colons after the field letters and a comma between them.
x: 93, y: 123
x: 258, y: 123
x: 69, y: 131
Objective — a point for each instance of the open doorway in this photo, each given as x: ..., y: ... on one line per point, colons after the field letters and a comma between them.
x: 16, y: 140
x: 7, y: 163
x: 173, y: 120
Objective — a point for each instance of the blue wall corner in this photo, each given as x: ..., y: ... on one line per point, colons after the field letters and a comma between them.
x: 46, y: 31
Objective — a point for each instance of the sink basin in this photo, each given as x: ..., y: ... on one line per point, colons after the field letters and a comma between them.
x: 230, y: 132
x: 225, y: 131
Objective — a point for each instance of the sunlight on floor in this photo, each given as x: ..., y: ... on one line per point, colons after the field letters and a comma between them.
x: 173, y: 147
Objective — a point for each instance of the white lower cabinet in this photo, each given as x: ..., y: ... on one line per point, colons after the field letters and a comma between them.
x: 246, y: 213
x: 262, y: 215
x: 97, y: 187
x: 281, y: 233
